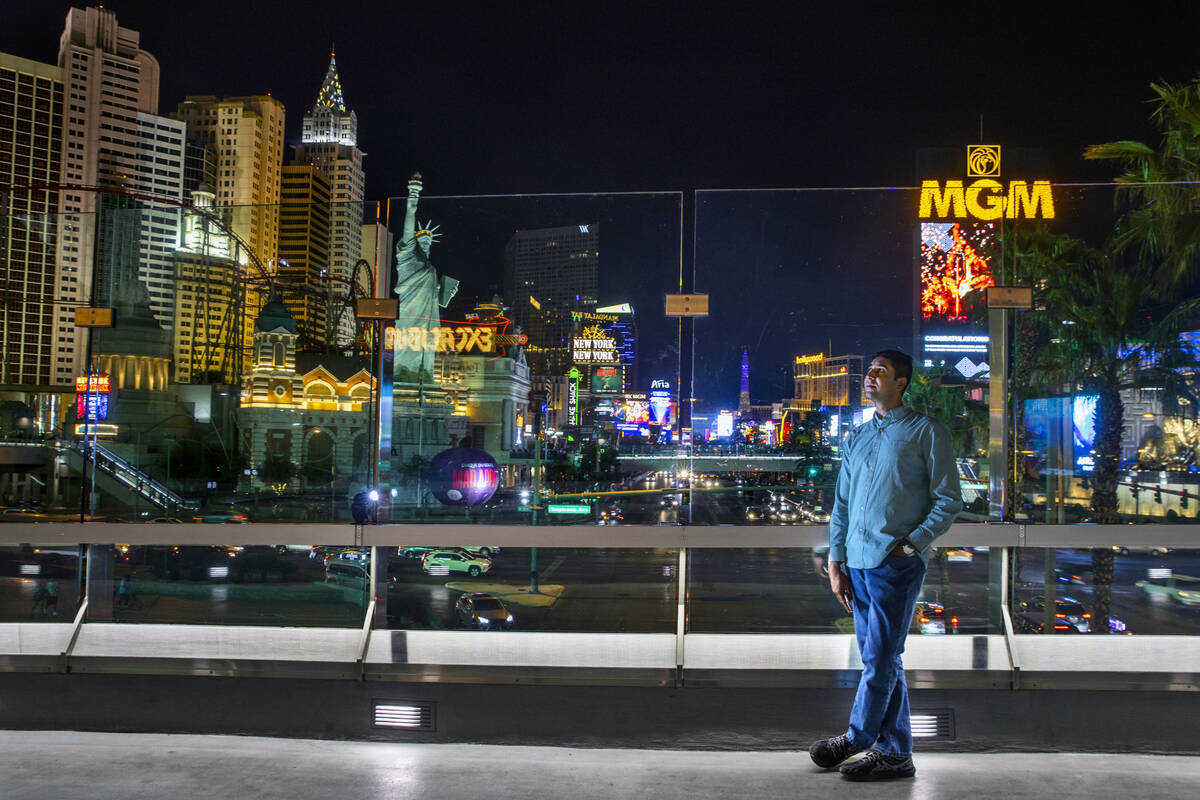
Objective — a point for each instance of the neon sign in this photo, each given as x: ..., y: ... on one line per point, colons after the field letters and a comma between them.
x: 593, y: 347
x: 573, y: 396
x: 986, y: 199
x: 810, y: 359
x: 99, y: 384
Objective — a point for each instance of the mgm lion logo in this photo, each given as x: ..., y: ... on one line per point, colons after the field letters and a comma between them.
x: 983, y: 160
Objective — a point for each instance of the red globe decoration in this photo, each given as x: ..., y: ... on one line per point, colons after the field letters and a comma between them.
x: 463, y: 476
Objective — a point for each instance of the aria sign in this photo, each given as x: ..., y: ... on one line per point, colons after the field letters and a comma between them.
x: 985, y: 198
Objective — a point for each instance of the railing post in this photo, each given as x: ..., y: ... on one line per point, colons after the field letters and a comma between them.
x: 100, y: 563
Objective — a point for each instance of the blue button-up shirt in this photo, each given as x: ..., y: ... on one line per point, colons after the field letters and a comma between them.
x: 898, y: 480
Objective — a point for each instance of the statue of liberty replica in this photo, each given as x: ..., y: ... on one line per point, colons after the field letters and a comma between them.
x: 421, y: 293
x: 421, y: 406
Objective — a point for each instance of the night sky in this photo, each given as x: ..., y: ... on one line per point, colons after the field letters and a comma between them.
x: 676, y: 97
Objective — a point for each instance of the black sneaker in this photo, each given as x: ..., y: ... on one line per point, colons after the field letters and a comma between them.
x: 828, y: 753
x: 876, y: 766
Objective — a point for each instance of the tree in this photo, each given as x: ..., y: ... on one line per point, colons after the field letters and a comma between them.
x: 1161, y: 187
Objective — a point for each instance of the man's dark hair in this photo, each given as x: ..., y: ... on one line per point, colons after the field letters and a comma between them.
x: 901, y: 364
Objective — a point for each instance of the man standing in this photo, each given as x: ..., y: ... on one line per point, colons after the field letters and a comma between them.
x: 897, y: 491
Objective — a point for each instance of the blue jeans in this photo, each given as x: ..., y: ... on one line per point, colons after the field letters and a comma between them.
x: 884, y: 599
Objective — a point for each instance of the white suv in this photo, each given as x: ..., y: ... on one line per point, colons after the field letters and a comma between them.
x: 443, y: 562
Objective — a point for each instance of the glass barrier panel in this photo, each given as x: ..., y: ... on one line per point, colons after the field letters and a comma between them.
x: 594, y: 590
x: 1148, y: 590
x: 786, y: 590
x: 282, y: 585
x: 804, y: 287
x: 39, y: 583
x: 240, y: 384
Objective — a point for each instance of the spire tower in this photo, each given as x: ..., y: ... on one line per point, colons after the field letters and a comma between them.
x: 744, y: 395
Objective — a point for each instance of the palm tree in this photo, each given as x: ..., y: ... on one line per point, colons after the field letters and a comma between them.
x: 1090, y: 332
x: 1160, y: 187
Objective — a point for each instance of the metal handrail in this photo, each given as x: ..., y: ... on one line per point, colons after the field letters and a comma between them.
x: 630, y: 536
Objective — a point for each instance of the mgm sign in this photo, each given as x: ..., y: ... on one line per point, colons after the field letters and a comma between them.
x: 985, y: 198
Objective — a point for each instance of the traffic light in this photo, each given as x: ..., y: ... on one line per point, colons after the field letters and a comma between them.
x: 813, y: 470
x: 1158, y: 494
x: 1183, y: 498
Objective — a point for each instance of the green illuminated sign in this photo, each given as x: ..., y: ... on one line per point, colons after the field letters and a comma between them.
x: 569, y: 509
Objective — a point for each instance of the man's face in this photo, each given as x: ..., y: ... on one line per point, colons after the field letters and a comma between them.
x: 881, y: 383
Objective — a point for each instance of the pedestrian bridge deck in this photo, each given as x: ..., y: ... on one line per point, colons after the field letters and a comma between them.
x: 67, y: 765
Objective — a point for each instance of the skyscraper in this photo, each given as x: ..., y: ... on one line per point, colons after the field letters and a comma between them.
x: 549, y: 273
x: 159, y: 173
x: 31, y: 104
x: 208, y: 321
x: 304, y: 222
x: 330, y: 142
x: 246, y: 135
x: 109, y: 83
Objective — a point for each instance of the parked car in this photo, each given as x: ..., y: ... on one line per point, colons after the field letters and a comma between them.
x: 454, y: 561
x: 1182, y: 589
x: 483, y: 611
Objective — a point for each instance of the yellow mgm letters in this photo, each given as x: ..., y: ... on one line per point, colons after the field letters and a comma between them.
x: 985, y: 199
x: 447, y: 340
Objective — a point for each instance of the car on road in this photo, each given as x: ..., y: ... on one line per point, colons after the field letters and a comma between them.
x: 754, y: 514
x: 351, y: 574
x: 1181, y: 589
x: 222, y: 514
x: 483, y: 611
x: 611, y: 516
x: 1070, y: 615
x: 958, y: 556
x: 930, y: 618
x: 447, y: 561
x: 420, y: 551
x: 1125, y: 550
x: 669, y: 501
x: 359, y: 555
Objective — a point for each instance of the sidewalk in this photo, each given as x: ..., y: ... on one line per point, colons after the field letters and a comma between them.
x: 66, y: 765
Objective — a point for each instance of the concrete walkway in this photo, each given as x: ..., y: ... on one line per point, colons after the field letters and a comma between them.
x: 63, y: 765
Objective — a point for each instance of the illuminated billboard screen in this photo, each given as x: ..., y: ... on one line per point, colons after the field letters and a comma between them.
x: 96, y: 405
x: 954, y: 262
x: 607, y: 380
x: 725, y: 425
x: 1054, y: 419
x: 633, y: 412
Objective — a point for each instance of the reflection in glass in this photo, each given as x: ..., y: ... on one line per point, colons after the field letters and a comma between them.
x: 787, y: 591
x: 1154, y: 590
x: 39, y: 583
x: 599, y: 590
x: 281, y: 585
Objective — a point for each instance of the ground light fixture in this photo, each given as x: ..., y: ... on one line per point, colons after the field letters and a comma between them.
x: 417, y: 715
x: 933, y: 724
